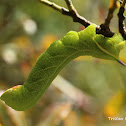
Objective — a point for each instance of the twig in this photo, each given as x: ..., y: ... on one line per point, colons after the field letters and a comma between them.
x: 105, y: 30
x: 55, y: 6
x: 112, y: 7
x: 71, y: 12
x: 70, y: 5
x: 121, y: 19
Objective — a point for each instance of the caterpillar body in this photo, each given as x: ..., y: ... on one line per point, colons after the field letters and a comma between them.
x: 51, y: 62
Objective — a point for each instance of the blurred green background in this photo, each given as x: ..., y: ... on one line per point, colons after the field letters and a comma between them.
x: 87, y: 91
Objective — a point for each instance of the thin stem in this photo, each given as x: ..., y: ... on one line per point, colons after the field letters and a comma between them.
x: 71, y: 12
x: 55, y: 6
x: 69, y: 5
x: 112, y: 7
x: 121, y: 17
x: 124, y: 2
x: 105, y: 30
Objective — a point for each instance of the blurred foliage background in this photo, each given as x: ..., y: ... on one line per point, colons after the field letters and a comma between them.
x: 87, y: 91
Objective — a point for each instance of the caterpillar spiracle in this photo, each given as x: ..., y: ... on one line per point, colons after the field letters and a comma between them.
x: 54, y: 59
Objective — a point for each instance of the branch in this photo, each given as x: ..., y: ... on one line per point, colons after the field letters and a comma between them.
x: 55, y: 7
x: 72, y: 12
x: 121, y: 19
x: 112, y: 7
x: 70, y: 5
x: 105, y: 30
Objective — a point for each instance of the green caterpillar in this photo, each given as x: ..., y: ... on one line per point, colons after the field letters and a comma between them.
x: 61, y: 52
